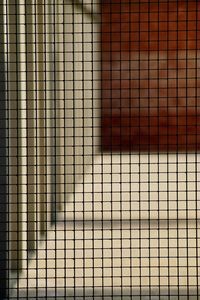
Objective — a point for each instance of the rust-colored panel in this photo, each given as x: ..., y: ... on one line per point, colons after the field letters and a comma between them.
x: 150, y: 75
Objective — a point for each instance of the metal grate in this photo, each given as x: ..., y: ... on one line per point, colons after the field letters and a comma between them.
x: 99, y: 149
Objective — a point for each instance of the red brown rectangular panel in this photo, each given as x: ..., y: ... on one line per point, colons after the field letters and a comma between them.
x: 150, y: 75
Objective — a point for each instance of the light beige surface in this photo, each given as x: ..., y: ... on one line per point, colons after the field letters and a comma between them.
x: 29, y: 130
x: 97, y: 257
x: 146, y: 253
x: 82, y: 77
x: 139, y: 187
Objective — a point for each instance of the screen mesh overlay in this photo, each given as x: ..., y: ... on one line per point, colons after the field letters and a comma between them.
x: 150, y: 87
x: 99, y: 150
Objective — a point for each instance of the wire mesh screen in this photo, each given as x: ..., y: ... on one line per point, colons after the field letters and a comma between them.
x: 99, y: 149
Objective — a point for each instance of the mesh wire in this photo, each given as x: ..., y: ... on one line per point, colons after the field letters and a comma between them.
x: 99, y: 191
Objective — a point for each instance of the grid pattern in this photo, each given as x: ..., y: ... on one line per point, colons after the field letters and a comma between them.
x: 88, y: 218
x: 150, y: 75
